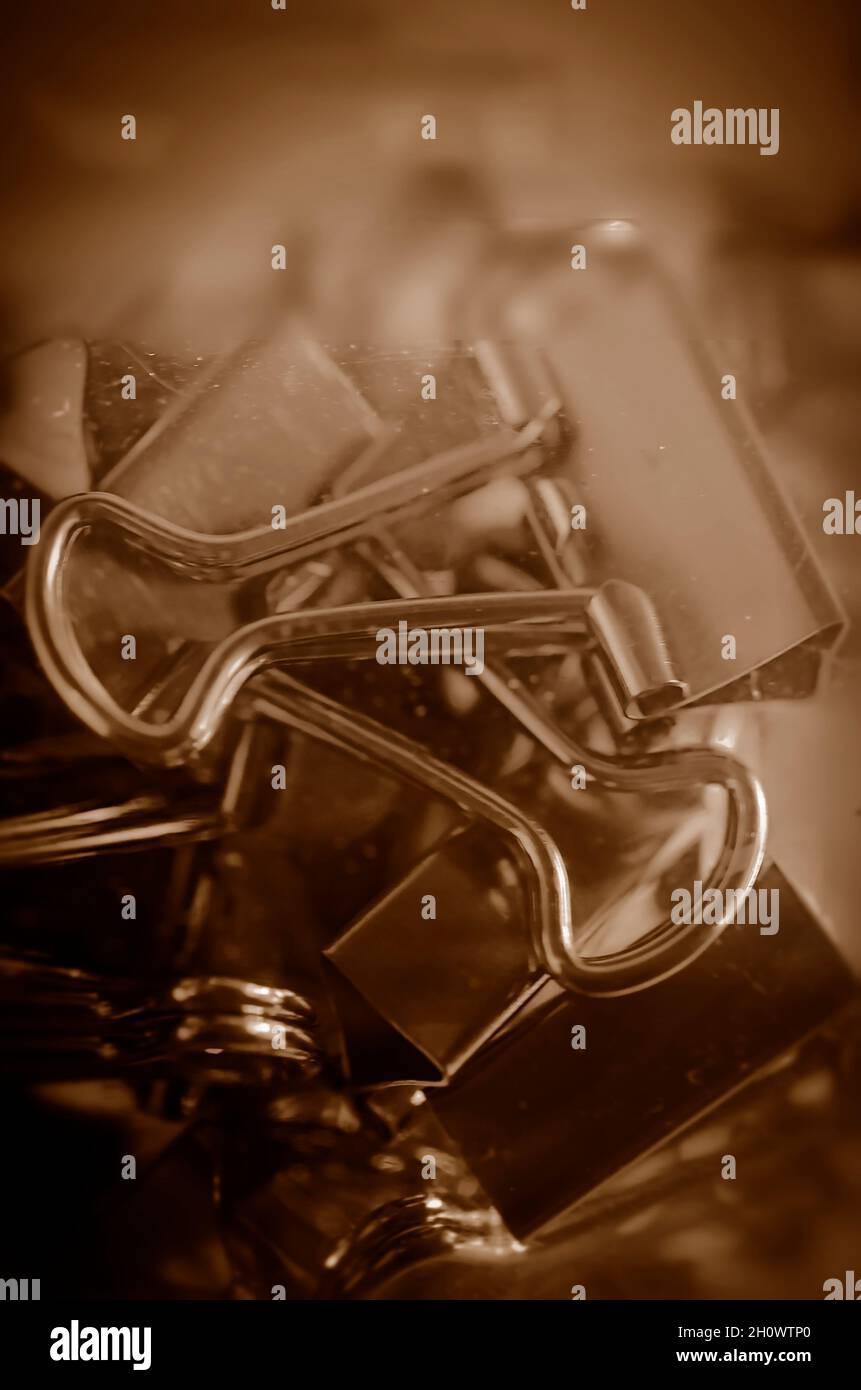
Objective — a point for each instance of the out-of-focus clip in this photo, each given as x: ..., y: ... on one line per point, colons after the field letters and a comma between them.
x: 670, y: 473
x: 60, y: 1023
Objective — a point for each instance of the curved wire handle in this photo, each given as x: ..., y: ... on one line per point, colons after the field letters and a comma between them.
x: 297, y: 636
x: 666, y: 949
x: 670, y: 946
x: 280, y: 698
x: 310, y: 635
x: 654, y: 957
x: 319, y: 528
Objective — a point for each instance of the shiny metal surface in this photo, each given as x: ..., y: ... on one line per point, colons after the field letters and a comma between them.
x: 653, y: 1061
x: 62, y: 1023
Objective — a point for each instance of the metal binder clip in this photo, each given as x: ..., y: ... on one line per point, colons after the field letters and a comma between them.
x: 621, y: 619
x: 385, y: 954
x: 376, y: 954
x: 484, y: 1000
x: 297, y: 636
x: 199, y: 444
x: 351, y: 631
x: 674, y: 480
x: 62, y: 1023
x: 541, y: 1124
x: 223, y: 559
x: 348, y: 632
x: 385, y: 950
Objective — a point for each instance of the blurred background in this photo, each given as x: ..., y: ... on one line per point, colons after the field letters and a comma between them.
x: 302, y: 127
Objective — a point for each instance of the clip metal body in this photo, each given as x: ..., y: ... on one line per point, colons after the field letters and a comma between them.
x: 541, y: 1123
x: 617, y: 618
x: 627, y: 629
x: 679, y: 497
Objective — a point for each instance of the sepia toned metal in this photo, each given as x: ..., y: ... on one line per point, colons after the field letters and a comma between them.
x: 76, y: 832
x: 61, y: 1023
x: 679, y: 497
x: 541, y: 1124
x: 403, y: 1235
x: 440, y: 999
x: 621, y: 618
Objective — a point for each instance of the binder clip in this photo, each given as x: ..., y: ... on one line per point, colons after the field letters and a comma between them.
x: 504, y: 977
x: 668, y: 588
x: 351, y: 631
x: 74, y: 832
x: 68, y: 1024
x: 186, y: 465
x: 653, y: 1062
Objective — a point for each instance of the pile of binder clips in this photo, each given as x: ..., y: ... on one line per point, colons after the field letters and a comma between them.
x: 398, y: 942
